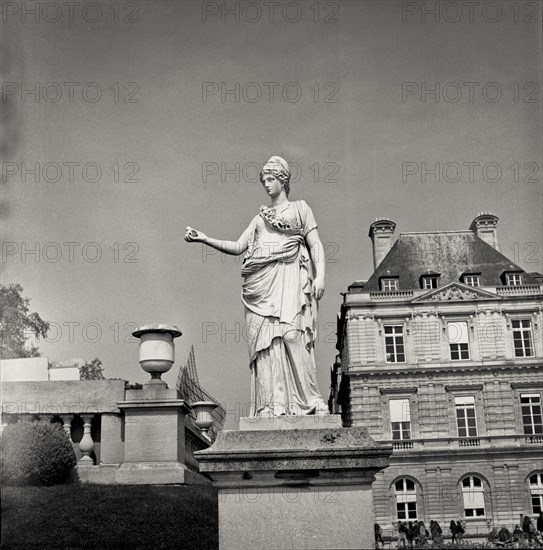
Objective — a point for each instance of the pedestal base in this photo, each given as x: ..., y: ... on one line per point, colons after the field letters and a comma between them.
x: 294, y: 488
x: 299, y: 422
x: 101, y: 475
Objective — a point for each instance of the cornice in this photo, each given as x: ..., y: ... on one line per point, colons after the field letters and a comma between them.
x: 424, y: 370
x: 400, y: 456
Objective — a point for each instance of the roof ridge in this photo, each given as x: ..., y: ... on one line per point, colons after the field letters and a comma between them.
x: 436, y: 232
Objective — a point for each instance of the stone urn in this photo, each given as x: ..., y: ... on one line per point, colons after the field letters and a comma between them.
x: 204, y: 418
x: 156, y: 353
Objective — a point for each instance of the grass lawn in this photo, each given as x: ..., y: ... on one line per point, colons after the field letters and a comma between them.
x: 74, y: 516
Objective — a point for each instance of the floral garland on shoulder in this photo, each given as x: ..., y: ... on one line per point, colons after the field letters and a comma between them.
x: 279, y: 222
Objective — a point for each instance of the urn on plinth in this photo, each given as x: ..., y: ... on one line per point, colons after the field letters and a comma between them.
x: 204, y: 418
x: 156, y: 352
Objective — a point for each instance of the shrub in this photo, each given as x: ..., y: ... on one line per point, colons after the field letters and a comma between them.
x: 36, y: 453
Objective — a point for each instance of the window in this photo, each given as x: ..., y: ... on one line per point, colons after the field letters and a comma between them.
x: 473, y: 497
x: 429, y: 281
x: 394, y: 344
x: 389, y: 284
x: 465, y: 416
x: 513, y: 279
x: 530, y: 405
x: 457, y: 334
x: 471, y: 280
x: 406, y: 499
x: 522, y: 337
x: 400, y: 418
x: 536, y: 493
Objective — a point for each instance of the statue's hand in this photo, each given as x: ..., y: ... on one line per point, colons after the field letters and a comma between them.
x: 318, y: 286
x: 194, y: 236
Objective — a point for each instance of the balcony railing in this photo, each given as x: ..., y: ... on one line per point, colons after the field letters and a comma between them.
x: 395, y: 295
x: 520, y: 290
x: 534, y: 439
x: 404, y: 444
x: 469, y: 442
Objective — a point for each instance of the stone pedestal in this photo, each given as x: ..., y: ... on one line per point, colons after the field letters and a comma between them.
x: 154, y: 438
x: 300, y: 422
x: 304, y: 483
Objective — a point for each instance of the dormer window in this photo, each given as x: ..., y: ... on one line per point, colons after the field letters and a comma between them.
x: 389, y: 284
x: 513, y: 279
x: 471, y: 279
x: 429, y: 280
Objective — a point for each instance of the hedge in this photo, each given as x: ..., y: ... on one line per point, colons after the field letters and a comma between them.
x: 36, y: 453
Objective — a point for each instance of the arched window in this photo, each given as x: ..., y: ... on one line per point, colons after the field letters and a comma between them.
x: 536, y: 492
x: 473, y: 496
x: 406, y: 499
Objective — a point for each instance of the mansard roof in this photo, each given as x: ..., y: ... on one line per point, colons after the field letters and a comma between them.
x: 449, y: 253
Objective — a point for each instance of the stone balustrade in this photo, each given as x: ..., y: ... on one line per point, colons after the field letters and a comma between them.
x: 470, y: 442
x: 396, y: 295
x: 520, y: 290
x: 91, y: 417
x: 83, y: 446
x: 440, y: 443
x: 408, y: 295
x: 193, y: 443
x: 403, y: 444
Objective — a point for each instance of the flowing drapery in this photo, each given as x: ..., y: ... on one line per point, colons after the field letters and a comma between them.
x: 281, y: 326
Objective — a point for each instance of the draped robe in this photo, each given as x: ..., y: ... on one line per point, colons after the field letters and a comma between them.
x: 281, y: 313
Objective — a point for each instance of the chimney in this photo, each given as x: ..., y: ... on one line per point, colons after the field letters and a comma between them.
x: 485, y: 227
x: 381, y: 231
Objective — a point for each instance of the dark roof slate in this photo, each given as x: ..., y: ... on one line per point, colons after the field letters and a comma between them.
x: 449, y: 253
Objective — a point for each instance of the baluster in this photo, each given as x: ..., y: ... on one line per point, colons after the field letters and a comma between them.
x: 67, y: 424
x: 86, y: 445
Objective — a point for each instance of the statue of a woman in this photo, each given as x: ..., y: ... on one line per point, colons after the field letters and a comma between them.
x: 283, y: 272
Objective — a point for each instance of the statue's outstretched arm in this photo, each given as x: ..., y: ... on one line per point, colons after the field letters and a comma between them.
x: 228, y: 247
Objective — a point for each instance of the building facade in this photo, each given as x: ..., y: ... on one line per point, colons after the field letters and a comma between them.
x: 440, y: 354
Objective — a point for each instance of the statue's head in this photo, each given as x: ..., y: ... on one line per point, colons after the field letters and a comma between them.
x: 278, y: 167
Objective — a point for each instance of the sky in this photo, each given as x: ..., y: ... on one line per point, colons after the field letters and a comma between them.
x: 153, y: 115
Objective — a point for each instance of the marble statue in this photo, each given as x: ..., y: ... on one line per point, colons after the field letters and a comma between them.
x: 283, y: 279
